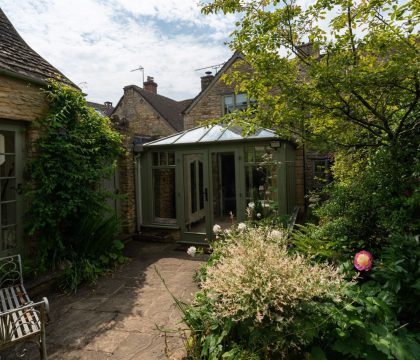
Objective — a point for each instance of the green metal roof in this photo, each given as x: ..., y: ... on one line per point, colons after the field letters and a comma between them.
x: 215, y: 133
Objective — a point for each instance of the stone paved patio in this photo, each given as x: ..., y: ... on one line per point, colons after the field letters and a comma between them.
x: 118, y: 317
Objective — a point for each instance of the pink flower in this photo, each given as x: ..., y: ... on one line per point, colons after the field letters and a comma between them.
x: 363, y: 260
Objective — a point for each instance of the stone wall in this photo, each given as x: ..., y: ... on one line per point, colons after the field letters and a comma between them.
x: 136, y: 118
x: 21, y: 100
x: 210, y: 105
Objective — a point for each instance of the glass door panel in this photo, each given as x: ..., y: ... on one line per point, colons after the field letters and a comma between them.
x: 224, y: 188
x: 9, y: 186
x: 195, y: 193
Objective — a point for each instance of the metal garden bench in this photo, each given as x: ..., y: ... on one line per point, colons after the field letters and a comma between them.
x: 21, y: 319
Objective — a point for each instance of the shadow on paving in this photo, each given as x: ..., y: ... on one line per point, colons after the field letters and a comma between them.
x: 117, y: 318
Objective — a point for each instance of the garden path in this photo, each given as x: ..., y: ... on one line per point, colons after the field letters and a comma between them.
x: 117, y: 318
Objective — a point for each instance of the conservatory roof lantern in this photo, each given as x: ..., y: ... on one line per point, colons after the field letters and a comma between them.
x: 214, y: 133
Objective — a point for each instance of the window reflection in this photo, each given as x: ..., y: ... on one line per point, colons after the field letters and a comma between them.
x: 163, y: 177
x: 261, y: 179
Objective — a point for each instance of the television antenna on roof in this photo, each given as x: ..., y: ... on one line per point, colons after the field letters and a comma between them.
x: 140, y: 68
x: 215, y: 67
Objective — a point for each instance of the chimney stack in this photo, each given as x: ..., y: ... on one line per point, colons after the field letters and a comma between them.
x: 206, y: 80
x: 150, y: 85
x: 309, y: 49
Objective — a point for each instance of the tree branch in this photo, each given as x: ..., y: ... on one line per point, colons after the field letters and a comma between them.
x: 409, y: 110
x: 366, y: 104
x: 353, y: 46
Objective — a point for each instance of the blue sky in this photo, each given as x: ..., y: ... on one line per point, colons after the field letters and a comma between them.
x: 97, y: 42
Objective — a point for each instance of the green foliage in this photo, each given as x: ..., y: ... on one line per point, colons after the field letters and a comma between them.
x: 92, y: 249
x: 362, y: 210
x: 76, y: 149
x: 259, y: 301
x: 397, y: 274
x: 363, y: 90
x: 360, y: 98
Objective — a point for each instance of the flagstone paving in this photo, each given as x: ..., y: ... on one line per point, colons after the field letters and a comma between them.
x: 119, y: 318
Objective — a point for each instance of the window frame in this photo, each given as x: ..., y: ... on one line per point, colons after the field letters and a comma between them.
x: 321, y: 178
x: 235, y: 106
x: 158, y: 166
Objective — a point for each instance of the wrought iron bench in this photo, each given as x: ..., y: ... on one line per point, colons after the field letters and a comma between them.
x: 21, y: 319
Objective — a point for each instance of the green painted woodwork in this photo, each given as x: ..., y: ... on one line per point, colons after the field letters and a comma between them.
x: 11, y: 179
x: 284, y: 158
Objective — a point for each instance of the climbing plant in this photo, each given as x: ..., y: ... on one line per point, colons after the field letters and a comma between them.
x: 76, y: 149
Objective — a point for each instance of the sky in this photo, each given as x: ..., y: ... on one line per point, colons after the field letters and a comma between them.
x: 96, y: 43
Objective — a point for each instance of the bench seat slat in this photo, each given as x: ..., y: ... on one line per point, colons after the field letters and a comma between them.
x: 13, y: 325
x: 23, y: 323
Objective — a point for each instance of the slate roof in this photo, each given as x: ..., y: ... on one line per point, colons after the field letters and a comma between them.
x: 105, y: 110
x: 169, y: 109
x: 17, y: 58
x: 186, y: 102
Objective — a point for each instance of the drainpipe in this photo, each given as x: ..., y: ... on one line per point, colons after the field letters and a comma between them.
x: 137, y: 179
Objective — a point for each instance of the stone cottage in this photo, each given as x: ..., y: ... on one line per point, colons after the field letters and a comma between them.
x: 141, y: 115
x: 181, y: 178
x: 23, y: 74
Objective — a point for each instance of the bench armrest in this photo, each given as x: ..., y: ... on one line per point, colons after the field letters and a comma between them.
x: 43, y: 304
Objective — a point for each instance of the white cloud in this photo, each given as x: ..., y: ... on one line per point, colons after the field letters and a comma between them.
x: 100, y: 41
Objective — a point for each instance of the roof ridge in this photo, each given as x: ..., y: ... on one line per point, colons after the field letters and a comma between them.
x: 169, y: 109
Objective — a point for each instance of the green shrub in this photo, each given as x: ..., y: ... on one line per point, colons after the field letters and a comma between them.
x: 260, y: 300
x: 397, y: 274
x: 381, y: 199
x: 92, y: 250
x: 68, y: 216
x: 257, y: 299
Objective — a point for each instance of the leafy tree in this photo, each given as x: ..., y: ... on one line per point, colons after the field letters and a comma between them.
x: 356, y: 90
x: 359, y: 85
x: 76, y: 149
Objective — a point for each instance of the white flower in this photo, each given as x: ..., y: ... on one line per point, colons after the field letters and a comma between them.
x: 258, y: 215
x: 217, y: 229
x: 275, y: 234
x: 191, y: 251
x: 251, y: 205
x: 241, y: 227
x: 261, y: 188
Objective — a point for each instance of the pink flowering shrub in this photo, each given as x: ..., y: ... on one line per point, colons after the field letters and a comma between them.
x: 257, y: 289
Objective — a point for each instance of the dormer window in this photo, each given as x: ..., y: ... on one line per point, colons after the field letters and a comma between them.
x: 235, y: 102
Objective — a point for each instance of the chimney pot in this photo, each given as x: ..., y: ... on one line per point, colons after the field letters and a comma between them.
x: 108, y: 103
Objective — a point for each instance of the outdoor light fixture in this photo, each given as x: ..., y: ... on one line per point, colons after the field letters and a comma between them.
x: 275, y: 144
x: 137, y: 148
